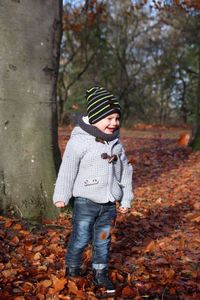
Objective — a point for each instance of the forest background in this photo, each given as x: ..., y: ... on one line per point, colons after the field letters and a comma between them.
x: 147, y: 53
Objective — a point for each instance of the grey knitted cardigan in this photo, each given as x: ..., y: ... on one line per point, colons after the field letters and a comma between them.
x: 85, y: 172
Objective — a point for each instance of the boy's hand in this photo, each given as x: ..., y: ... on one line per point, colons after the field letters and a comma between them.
x: 60, y: 204
x: 123, y: 210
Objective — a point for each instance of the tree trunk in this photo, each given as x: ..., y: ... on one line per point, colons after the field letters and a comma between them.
x: 196, y: 141
x: 29, y: 156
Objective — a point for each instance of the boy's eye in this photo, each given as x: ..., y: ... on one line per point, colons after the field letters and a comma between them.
x: 116, y: 119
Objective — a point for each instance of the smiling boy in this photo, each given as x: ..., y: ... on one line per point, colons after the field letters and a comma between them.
x: 95, y: 171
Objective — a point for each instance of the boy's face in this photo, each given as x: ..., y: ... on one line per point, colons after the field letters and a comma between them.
x: 109, y: 124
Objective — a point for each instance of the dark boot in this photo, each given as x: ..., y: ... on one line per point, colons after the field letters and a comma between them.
x: 101, y: 280
x: 73, y: 271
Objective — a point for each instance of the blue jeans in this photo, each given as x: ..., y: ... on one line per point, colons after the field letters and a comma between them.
x: 91, y: 221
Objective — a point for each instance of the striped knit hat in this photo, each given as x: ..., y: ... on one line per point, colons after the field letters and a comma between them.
x: 100, y: 104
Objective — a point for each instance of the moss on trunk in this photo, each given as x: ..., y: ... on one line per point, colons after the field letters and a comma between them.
x: 195, y: 144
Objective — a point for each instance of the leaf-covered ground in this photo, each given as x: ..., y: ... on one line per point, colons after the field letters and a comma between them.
x: 155, y: 248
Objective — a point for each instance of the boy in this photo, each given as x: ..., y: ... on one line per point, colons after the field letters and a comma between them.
x: 94, y: 171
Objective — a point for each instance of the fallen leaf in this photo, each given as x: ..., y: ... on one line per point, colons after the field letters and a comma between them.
x: 129, y: 292
x: 40, y: 296
x: 8, y: 223
x: 184, y: 139
x: 27, y: 287
x: 37, y: 256
x: 58, y: 284
x: 14, y: 241
x: 46, y: 283
x: 38, y: 248
x: 8, y: 273
x: 150, y: 246
x: 196, y: 219
x: 72, y: 287
x: 17, y: 226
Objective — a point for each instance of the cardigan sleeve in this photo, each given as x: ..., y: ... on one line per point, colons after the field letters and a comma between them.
x: 67, y: 172
x: 126, y: 181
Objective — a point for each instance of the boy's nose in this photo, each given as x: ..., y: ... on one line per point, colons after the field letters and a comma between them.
x: 114, y: 122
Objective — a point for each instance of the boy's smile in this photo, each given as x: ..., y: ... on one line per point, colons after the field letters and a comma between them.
x: 108, y: 124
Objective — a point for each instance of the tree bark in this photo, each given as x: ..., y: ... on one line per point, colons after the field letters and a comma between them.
x: 29, y: 156
x: 195, y: 144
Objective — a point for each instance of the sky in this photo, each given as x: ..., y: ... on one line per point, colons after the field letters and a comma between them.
x: 64, y: 1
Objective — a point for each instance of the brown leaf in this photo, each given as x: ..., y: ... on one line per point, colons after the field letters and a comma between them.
x: 38, y: 248
x: 103, y: 235
x: 129, y: 292
x: 113, y: 276
x: 14, y: 241
x: 37, y: 256
x: 72, y: 287
x: 168, y: 275
x: 150, y: 246
x: 40, y: 296
x: 2, y: 234
x: 17, y: 226
x: 196, y: 219
x: 91, y: 296
x: 63, y: 297
x: 8, y: 273
x: 24, y: 232
x: 27, y: 287
x: 46, y: 283
x: 55, y: 239
x: 87, y: 254
x: 42, y: 268
x: 8, y: 223
x: 58, y: 284
x: 184, y: 139
x: 120, y: 278
x: 1, y: 266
